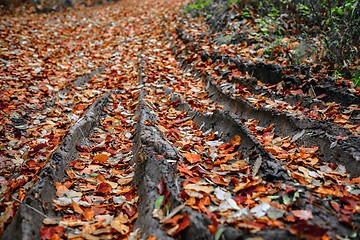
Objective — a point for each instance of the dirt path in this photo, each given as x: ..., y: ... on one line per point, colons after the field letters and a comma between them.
x: 126, y: 120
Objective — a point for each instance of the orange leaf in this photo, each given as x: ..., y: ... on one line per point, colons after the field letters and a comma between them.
x: 70, y: 173
x: 60, y: 190
x: 55, y: 237
x: 325, y: 191
x: 183, y: 169
x: 212, y: 229
x: 174, y: 220
x: 100, y: 158
x: 88, y: 214
x: 76, y: 208
x: 192, y: 157
x: 236, y: 140
x: 47, y: 233
x: 180, y: 222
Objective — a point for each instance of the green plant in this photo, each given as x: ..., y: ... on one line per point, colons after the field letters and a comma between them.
x: 274, y: 12
x: 356, y: 79
x: 246, y: 13
x: 232, y: 2
x: 304, y: 10
x: 198, y: 5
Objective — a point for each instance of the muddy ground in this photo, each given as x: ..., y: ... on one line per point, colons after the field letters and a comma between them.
x: 177, y: 137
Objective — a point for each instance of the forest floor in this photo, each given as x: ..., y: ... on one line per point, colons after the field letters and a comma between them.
x: 135, y: 120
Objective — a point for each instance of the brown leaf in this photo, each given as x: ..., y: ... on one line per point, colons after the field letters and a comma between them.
x: 103, y: 188
x: 335, y: 206
x: 61, y: 190
x: 302, y: 214
x: 47, y: 233
x: 120, y: 227
x: 235, y: 141
x: 100, y: 158
x: 192, y: 157
x: 88, y: 214
x: 345, y: 219
x: 76, y: 208
x: 178, y: 222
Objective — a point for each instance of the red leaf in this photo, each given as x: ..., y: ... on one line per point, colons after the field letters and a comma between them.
x: 47, y: 233
x: 345, y: 219
x: 83, y: 148
x: 38, y: 148
x: 306, y: 230
x: 335, y: 206
x: 103, y: 188
x: 129, y: 210
x: 341, y: 137
x: 184, y: 223
x: 161, y: 187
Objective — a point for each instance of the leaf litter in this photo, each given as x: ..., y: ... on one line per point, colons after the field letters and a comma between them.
x: 97, y: 199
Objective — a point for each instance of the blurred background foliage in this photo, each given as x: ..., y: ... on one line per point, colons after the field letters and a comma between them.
x: 335, y: 23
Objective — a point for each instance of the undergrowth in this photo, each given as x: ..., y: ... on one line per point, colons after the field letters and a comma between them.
x: 327, y: 30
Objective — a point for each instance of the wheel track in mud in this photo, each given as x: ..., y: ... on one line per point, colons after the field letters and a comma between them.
x: 163, y: 171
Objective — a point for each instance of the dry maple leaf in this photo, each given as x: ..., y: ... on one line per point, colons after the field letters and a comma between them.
x: 192, y: 157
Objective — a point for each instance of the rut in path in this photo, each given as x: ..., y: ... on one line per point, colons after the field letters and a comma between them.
x: 119, y: 121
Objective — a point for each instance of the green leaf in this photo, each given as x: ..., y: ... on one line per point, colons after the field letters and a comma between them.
x: 286, y: 199
x: 158, y: 202
x: 218, y: 233
x: 296, y: 195
x: 340, y: 11
x: 273, y: 197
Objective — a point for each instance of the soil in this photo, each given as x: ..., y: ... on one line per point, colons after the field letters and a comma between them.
x: 168, y: 94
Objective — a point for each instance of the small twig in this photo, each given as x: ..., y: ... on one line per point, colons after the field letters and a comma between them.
x: 27, y: 205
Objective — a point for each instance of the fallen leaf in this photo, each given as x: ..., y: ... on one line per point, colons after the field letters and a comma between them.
x: 192, y: 158
x: 199, y: 187
x: 100, y: 158
x: 120, y: 227
x: 76, y: 208
x: 46, y: 233
x: 103, y: 188
x: 260, y: 210
x: 235, y: 141
x: 302, y: 214
x: 88, y: 214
